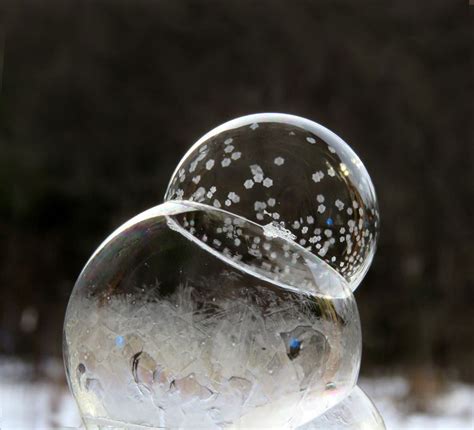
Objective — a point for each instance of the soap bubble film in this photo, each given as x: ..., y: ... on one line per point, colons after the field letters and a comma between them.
x: 190, y: 316
x: 355, y: 412
x: 294, y: 174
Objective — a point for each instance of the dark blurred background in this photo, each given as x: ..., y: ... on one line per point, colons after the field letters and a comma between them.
x: 100, y: 99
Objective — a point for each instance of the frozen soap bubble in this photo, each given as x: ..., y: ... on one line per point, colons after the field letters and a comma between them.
x: 290, y: 172
x: 231, y: 305
x: 189, y: 316
x: 355, y: 412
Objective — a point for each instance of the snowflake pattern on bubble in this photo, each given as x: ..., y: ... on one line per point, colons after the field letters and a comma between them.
x: 290, y: 172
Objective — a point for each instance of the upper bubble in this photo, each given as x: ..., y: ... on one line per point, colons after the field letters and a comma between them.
x: 292, y: 176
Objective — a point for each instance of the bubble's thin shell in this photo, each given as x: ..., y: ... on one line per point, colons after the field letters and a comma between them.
x: 290, y: 171
x: 189, y: 316
x: 355, y: 412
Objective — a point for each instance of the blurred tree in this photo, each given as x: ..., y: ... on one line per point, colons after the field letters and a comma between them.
x: 101, y: 98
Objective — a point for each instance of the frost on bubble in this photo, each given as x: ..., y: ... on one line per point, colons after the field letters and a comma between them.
x: 192, y: 315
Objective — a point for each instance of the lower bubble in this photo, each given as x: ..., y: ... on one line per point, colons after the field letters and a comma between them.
x: 198, y: 314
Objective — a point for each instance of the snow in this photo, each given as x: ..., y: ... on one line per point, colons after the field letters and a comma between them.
x: 454, y: 409
x: 47, y: 403
x: 42, y: 404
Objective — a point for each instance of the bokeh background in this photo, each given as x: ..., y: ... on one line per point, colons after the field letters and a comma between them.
x: 100, y: 99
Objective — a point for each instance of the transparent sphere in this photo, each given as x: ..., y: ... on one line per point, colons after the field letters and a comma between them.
x: 291, y: 172
x: 355, y: 412
x: 188, y: 316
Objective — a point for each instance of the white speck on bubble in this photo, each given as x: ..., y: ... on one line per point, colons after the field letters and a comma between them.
x: 257, y: 172
x: 274, y: 229
x: 225, y: 162
x: 317, y: 176
x: 196, y: 179
x: 271, y: 202
x: 339, y: 204
x: 199, y: 193
x: 256, y: 169
x: 311, y: 140
x: 331, y: 172
x: 320, y: 198
x: 321, y: 209
x: 254, y: 126
x: 192, y: 166
x: 267, y: 182
x: 229, y: 148
x: 345, y: 171
x: 234, y: 197
x: 279, y: 161
x: 248, y: 184
x: 236, y: 155
x: 228, y: 141
x: 209, y: 164
x: 331, y: 149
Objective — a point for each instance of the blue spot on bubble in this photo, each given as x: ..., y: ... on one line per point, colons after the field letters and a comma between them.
x: 120, y: 341
x: 329, y: 221
x: 294, y: 343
